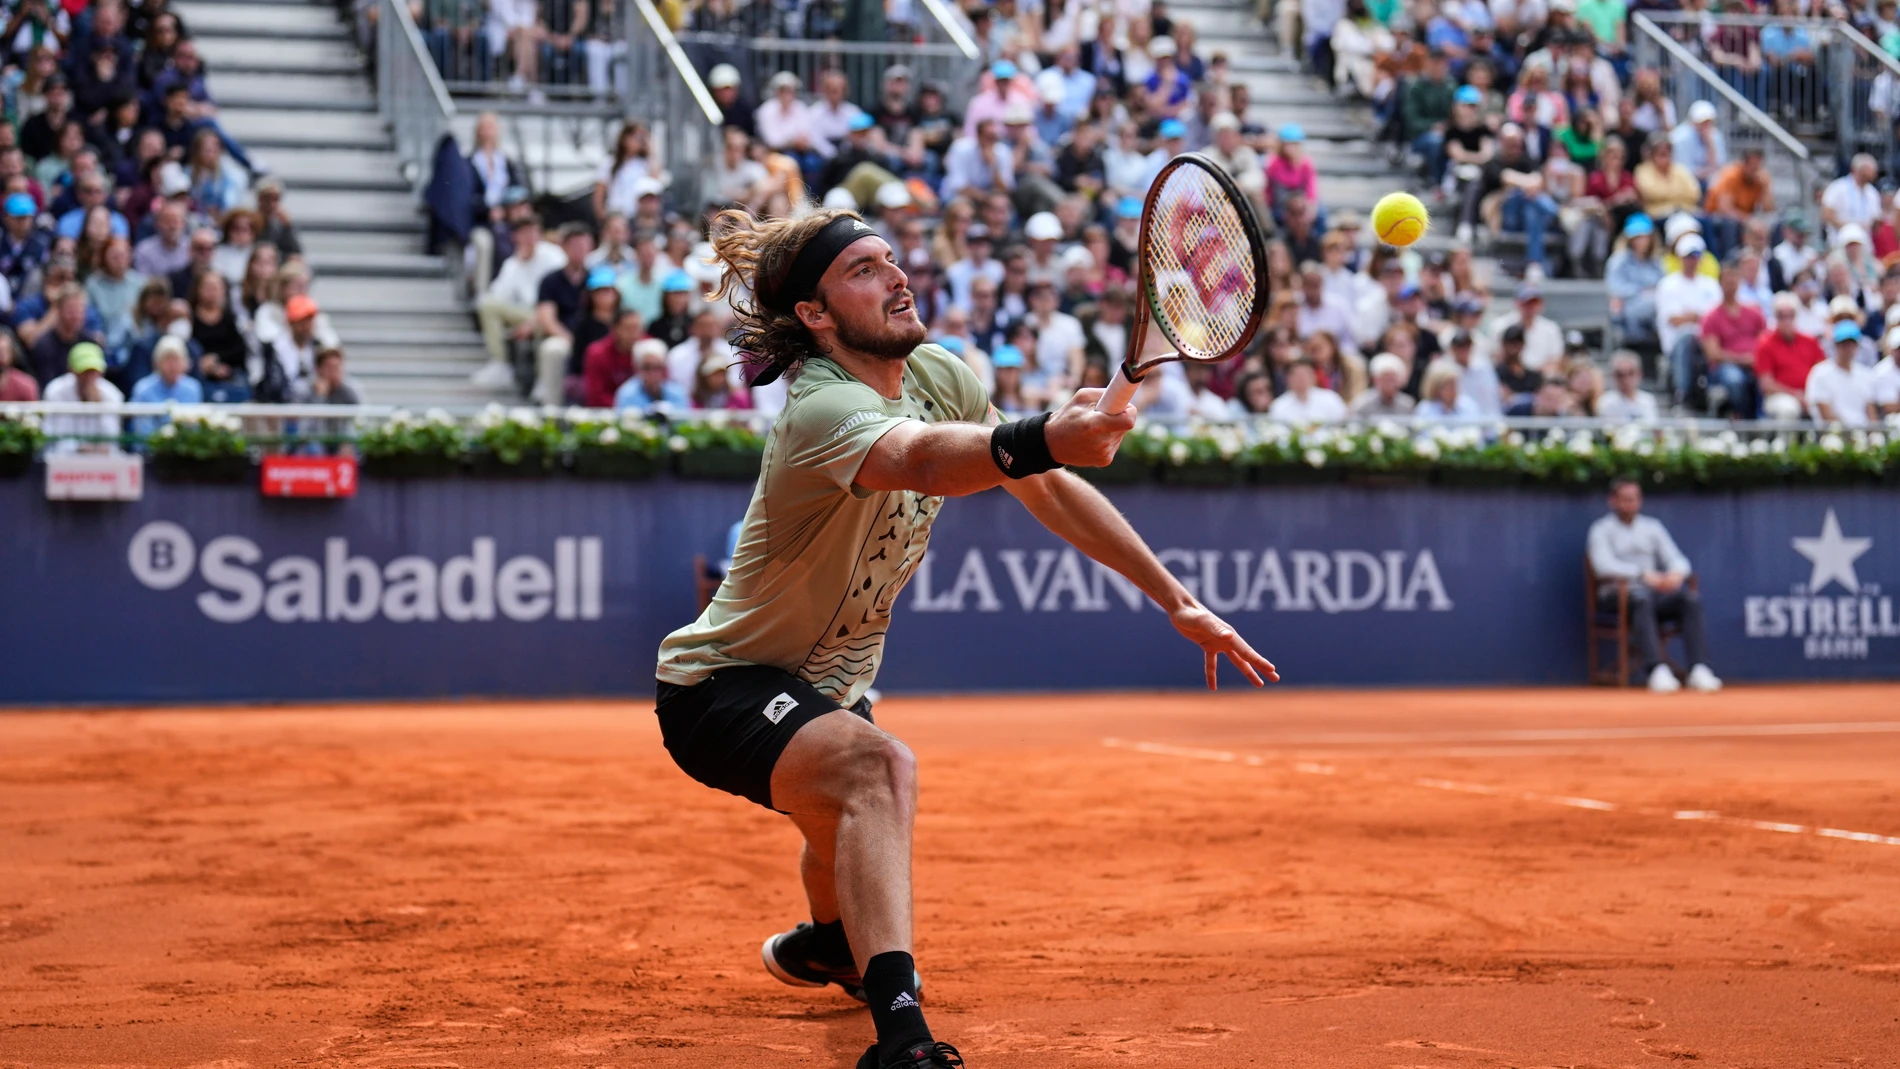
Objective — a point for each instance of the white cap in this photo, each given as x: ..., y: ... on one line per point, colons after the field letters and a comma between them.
x: 724, y: 76
x: 1786, y: 301
x: 1702, y: 111
x: 1843, y: 306
x: 648, y: 187
x: 893, y: 195
x: 1226, y: 120
x: 1892, y: 341
x: 1385, y: 362
x: 1849, y: 234
x: 783, y: 79
x: 1043, y: 226
x: 1081, y: 257
x: 1161, y: 46
x: 172, y: 180
x: 840, y: 197
x: 1679, y: 224
x: 1049, y: 86
x: 1017, y: 114
x: 1690, y: 245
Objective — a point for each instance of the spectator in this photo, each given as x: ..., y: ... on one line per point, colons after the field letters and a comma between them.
x: 1682, y: 299
x: 1627, y: 401
x: 621, y: 179
x: 1322, y: 311
x: 1551, y: 401
x: 1513, y: 196
x: 707, y: 341
x: 607, y: 364
x: 1009, y: 396
x: 736, y: 111
x: 979, y: 161
x: 1305, y: 401
x: 1543, y: 338
x: 233, y: 255
x: 1517, y: 381
x: 269, y: 320
x: 68, y: 327
x: 1631, y: 277
x: 1289, y: 171
x: 559, y: 302
x: 788, y: 125
x: 1737, y: 192
x: 84, y: 382
x: 1783, y: 359
x: 225, y: 353
x: 1636, y: 550
x: 203, y: 253
x: 1238, y: 160
x: 1444, y: 396
x: 1253, y: 396
x: 715, y: 389
x: 1842, y: 390
x: 1664, y: 184
x: 507, y: 310
x: 291, y: 358
x: 15, y: 385
x: 1698, y: 142
x: 328, y: 385
x: 1852, y: 198
x: 1729, y: 334
x: 217, y: 185
x: 1887, y: 375
x: 1427, y: 113
x: 1862, y: 271
x: 168, y: 383
x: 165, y: 251
x: 650, y: 391
x: 1477, y: 378
x: 113, y: 291
x: 1793, y: 253
x: 1386, y: 397
x: 24, y: 247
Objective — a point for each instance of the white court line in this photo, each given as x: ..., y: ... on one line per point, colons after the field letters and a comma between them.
x: 1312, y: 768
x: 1607, y: 734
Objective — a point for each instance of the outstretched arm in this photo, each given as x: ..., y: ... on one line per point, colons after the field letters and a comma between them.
x: 953, y: 459
x: 1081, y: 516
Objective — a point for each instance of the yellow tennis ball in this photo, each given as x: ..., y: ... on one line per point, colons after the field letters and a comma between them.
x: 1400, y: 219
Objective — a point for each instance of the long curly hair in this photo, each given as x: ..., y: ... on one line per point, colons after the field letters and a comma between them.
x: 758, y: 255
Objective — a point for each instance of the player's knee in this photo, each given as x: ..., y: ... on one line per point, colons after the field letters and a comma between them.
x: 883, y: 773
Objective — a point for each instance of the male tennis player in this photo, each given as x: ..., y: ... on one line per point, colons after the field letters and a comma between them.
x: 763, y: 695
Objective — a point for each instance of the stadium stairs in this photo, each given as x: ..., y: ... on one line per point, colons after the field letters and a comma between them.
x: 292, y: 86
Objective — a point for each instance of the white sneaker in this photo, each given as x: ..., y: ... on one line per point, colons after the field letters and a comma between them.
x: 1463, y: 234
x: 494, y: 375
x: 1700, y: 678
x: 1534, y: 273
x: 1663, y: 681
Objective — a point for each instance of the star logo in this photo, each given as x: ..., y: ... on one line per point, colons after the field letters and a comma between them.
x: 1833, y: 556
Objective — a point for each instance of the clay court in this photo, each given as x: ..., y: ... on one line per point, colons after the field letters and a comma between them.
x: 1295, y: 878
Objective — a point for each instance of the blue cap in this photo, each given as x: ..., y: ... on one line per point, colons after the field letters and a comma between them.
x: 1293, y: 132
x: 1003, y: 70
x: 677, y: 282
x: 1129, y: 208
x: 1173, y: 128
x: 1408, y: 291
x: 1468, y: 94
x: 1006, y: 356
x: 21, y: 204
x: 952, y: 343
x: 1637, y: 225
x: 1846, y: 330
x: 861, y: 121
x: 602, y: 277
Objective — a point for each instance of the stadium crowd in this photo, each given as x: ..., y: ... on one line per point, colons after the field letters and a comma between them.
x: 144, y: 254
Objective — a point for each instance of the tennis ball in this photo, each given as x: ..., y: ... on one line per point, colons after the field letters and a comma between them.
x: 1400, y: 219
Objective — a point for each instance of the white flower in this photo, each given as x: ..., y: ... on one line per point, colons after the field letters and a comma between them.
x: 1581, y: 445
x: 1426, y: 448
x: 1229, y: 445
x: 1157, y: 433
x: 1375, y: 445
x: 1876, y: 441
x: 169, y: 430
x: 1781, y: 443
x: 609, y: 436
x: 1627, y: 436
x: 1832, y: 442
x: 438, y: 415
x: 1758, y: 447
x: 524, y: 417
x: 31, y: 421
x: 1645, y: 448
x: 1389, y: 429
x: 677, y: 444
x: 1177, y: 453
x: 1532, y: 447
x: 1729, y: 438
x: 1315, y: 457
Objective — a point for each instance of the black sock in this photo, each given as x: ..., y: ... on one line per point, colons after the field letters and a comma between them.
x: 830, y: 940
x: 890, y: 988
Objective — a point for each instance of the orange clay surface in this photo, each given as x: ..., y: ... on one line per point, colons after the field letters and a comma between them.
x: 1294, y: 878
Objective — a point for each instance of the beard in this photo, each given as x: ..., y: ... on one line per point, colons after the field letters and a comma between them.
x: 881, y: 334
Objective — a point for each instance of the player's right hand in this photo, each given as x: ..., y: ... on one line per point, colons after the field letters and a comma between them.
x: 1081, y: 436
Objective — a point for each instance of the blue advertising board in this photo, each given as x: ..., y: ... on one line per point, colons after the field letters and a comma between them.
x: 558, y: 586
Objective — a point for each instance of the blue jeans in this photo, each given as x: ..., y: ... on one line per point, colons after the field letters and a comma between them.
x: 1723, y: 234
x: 1431, y: 145
x: 1531, y: 215
x: 1686, y: 361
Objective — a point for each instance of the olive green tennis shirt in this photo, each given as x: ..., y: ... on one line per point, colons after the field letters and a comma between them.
x: 820, y: 561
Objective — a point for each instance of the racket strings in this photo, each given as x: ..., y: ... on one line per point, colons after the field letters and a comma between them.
x: 1201, y: 277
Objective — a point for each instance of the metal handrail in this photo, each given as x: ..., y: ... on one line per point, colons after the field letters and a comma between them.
x: 410, y: 95
x: 1721, y: 88
x: 684, y: 67
x: 1867, y: 47
x: 1710, y: 18
x: 952, y: 28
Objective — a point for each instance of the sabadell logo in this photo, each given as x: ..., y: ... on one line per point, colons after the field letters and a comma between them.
x: 338, y: 586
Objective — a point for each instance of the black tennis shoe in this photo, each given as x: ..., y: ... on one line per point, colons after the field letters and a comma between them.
x: 795, y: 958
x: 929, y: 1054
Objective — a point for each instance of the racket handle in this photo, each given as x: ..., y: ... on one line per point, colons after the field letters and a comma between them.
x: 1120, y: 391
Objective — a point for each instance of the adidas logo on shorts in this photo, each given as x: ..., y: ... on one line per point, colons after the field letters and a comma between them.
x: 903, y: 1001
x: 776, y: 709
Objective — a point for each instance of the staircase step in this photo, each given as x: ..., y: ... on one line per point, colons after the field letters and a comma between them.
x: 423, y: 342
x: 328, y: 209
x: 403, y: 324
x: 396, y: 364
x: 369, y: 264
x: 325, y: 93
x: 261, y: 19
x: 281, y: 128
x: 419, y: 395
x: 349, y: 294
x: 342, y: 168
x: 336, y: 243
x: 226, y: 55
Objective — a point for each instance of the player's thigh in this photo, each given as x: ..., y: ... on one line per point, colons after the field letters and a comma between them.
x: 730, y: 730
x: 838, y: 760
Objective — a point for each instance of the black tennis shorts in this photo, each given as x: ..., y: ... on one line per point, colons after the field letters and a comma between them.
x: 729, y: 731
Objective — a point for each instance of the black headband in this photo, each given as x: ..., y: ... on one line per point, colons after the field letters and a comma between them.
x: 812, y: 260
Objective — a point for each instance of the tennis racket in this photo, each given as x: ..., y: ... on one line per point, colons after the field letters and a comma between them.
x: 1202, y: 269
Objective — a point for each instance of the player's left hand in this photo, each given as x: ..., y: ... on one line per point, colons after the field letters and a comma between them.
x: 1216, y: 637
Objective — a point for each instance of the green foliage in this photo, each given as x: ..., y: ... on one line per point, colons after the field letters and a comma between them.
x: 517, y: 436
x: 434, y: 434
x: 717, y: 431
x: 20, y: 433
x: 198, y: 433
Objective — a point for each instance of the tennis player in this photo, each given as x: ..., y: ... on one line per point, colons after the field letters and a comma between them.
x: 764, y: 695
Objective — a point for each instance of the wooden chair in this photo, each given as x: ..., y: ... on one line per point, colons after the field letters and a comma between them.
x: 707, y: 580
x: 1612, y: 625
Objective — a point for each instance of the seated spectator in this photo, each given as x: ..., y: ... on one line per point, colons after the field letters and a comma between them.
x: 1517, y: 380
x: 1477, y: 378
x: 1862, y: 270
x: 328, y: 385
x: 1543, y: 338
x: 1289, y: 171
x: 239, y: 227
x: 1794, y: 254
x: 1842, y: 390
x: 1632, y: 548
x: 788, y: 125
x: 15, y: 385
x: 559, y: 303
x: 90, y: 192
x: 1385, y: 398
x: 24, y: 247
x: 1551, y: 401
x: 506, y: 311
x: 641, y: 285
x: 289, y: 360
x: 169, y: 383
x: 84, y: 382
x: 166, y: 250
x: 113, y: 291
x: 1444, y: 396
x: 1253, y: 396
x: 1699, y: 144
x: 705, y: 341
x: 1585, y: 383
x: 1305, y: 401
x: 1322, y: 311
x: 980, y: 161
x: 1682, y: 299
x: 1631, y: 277
x: 608, y: 362
x: 1783, y: 358
x: 1626, y: 400
x: 1736, y: 193
x: 217, y: 184
x: 1468, y: 146
x: 1007, y: 365
x: 617, y: 189
x: 651, y: 391
x: 67, y: 324
x: 1513, y: 197
x: 714, y: 388
x: 1204, y: 403
x: 269, y: 319
x: 1887, y: 375
x: 1729, y: 334
x: 1358, y: 42
x: 1853, y: 197
x: 223, y: 365
x: 274, y: 225
x: 1339, y: 371
x: 1427, y: 113
x: 1665, y: 185
x: 203, y: 252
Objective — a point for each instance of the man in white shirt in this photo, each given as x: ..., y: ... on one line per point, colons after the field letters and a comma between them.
x: 979, y: 161
x: 1543, y: 338
x: 1320, y: 310
x: 1793, y: 253
x: 1636, y: 549
x: 1682, y: 299
x: 84, y: 381
x: 1853, y: 197
x: 1373, y: 311
x: 1842, y: 390
x: 1479, y: 380
x: 976, y: 262
x: 1305, y: 401
x: 1059, y: 337
x: 707, y: 342
x: 1626, y: 399
x: 1887, y: 376
x: 507, y: 310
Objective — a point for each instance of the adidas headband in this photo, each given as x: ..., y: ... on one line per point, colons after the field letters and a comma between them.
x: 812, y: 261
